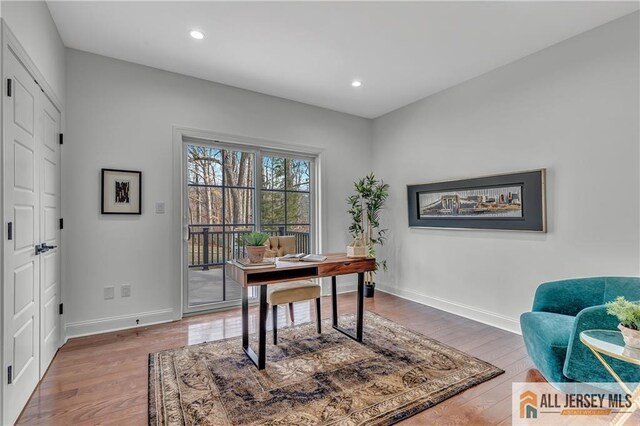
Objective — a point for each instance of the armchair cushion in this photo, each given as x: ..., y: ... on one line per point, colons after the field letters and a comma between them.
x: 546, y: 336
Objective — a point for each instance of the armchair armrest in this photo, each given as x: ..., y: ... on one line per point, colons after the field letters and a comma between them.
x: 580, y: 363
x: 568, y: 297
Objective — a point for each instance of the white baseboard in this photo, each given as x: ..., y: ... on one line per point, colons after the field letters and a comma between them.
x: 486, y: 317
x: 122, y: 322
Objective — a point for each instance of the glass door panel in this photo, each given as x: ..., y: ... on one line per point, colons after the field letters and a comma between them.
x: 220, y: 211
x: 285, y: 199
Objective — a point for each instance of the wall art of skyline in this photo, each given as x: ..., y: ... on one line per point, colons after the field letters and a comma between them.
x: 498, y: 202
x: 509, y: 201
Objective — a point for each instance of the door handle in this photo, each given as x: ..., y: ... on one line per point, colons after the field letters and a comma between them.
x: 43, y: 248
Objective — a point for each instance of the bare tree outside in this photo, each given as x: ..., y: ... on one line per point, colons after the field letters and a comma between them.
x: 285, y: 201
x: 210, y: 170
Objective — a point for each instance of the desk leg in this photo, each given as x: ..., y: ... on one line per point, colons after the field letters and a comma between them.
x: 258, y: 359
x: 360, y: 306
x: 245, y: 317
x: 262, y: 337
x: 359, y: 310
x: 334, y: 301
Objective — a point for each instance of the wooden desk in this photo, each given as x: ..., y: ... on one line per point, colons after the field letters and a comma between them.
x: 336, y: 264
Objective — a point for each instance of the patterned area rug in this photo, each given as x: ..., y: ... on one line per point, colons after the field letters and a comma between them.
x: 311, y: 379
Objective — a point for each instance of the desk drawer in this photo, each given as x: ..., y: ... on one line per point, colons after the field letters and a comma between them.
x: 346, y: 267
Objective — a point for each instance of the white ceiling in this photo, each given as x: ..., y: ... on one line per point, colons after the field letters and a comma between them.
x: 311, y: 51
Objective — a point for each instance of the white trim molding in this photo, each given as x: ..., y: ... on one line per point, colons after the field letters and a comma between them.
x: 121, y: 322
x: 486, y: 317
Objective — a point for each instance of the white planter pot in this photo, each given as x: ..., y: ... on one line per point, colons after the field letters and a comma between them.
x: 631, y: 337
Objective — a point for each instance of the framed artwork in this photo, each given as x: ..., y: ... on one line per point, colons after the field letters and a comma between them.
x: 513, y: 201
x: 121, y: 192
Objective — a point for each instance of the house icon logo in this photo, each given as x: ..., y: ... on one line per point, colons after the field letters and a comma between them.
x: 528, y: 405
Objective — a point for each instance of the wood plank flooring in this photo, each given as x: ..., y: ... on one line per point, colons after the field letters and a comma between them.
x: 102, y: 379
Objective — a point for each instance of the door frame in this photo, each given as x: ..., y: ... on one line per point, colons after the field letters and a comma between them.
x: 183, y: 136
x: 11, y: 45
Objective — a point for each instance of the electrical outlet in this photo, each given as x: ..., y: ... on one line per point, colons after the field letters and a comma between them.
x: 125, y: 290
x: 109, y: 292
x: 159, y: 207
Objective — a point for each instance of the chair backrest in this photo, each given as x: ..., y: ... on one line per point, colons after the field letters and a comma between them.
x: 570, y: 296
x: 280, y: 246
x: 629, y: 287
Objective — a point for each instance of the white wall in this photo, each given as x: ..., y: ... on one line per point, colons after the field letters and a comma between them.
x: 121, y: 116
x: 572, y: 108
x: 31, y: 23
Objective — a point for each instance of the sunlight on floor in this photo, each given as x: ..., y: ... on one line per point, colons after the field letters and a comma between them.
x: 223, y: 328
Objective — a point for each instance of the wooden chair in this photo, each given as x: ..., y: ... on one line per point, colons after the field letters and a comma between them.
x: 288, y: 293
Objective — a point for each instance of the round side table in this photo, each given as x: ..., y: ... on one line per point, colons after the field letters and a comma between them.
x: 610, y: 343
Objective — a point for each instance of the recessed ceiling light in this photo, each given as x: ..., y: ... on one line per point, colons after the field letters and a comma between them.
x: 356, y: 83
x: 198, y: 35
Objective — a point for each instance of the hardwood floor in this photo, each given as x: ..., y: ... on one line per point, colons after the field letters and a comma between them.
x: 102, y: 379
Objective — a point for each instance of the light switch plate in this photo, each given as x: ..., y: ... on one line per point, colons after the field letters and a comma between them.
x: 160, y: 207
x: 109, y: 292
x: 125, y: 290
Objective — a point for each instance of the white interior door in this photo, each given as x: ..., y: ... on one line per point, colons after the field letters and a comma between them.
x: 21, y: 212
x: 48, y: 155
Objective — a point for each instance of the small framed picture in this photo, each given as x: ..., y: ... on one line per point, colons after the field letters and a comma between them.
x: 121, y: 192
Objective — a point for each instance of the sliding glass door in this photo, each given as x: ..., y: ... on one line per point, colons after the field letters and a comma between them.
x: 220, y: 211
x: 228, y: 196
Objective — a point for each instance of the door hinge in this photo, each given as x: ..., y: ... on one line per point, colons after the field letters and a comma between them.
x: 61, y: 223
x: 61, y: 308
x: 61, y: 138
x: 10, y: 231
x: 10, y: 374
x: 9, y: 87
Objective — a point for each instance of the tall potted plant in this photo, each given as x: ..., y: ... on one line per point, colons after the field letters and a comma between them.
x: 365, y: 207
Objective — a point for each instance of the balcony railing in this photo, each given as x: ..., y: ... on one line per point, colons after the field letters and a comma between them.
x: 209, y: 246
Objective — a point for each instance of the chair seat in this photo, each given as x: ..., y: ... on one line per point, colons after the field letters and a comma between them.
x: 280, y: 294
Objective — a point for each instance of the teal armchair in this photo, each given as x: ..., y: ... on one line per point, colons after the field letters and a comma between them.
x: 563, y: 309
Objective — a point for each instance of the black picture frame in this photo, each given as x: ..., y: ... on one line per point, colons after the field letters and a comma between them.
x: 120, y: 191
x: 531, y: 201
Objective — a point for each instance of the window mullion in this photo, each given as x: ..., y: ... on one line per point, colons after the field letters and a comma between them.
x: 257, y: 199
